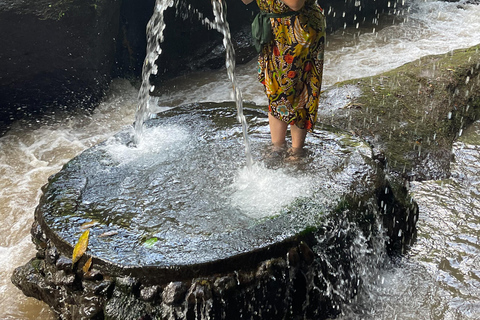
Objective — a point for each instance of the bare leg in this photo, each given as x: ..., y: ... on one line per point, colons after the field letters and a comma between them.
x: 298, y: 138
x: 278, y: 130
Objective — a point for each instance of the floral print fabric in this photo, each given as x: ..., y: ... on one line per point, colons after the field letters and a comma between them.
x: 291, y: 66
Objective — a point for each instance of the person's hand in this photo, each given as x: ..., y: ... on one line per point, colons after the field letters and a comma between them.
x: 295, y: 5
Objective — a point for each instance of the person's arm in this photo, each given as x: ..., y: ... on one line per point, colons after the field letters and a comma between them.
x: 247, y: 1
x: 295, y: 5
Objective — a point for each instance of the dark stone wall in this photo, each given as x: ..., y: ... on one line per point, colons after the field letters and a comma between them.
x: 54, y: 54
x: 189, y: 45
x: 63, y: 53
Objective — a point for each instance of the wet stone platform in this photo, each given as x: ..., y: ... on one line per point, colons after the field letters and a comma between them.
x: 181, y: 229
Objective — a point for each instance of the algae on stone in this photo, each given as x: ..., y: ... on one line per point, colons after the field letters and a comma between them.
x: 411, y: 115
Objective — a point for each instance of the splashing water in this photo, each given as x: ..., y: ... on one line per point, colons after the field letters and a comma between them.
x: 155, y: 28
x: 414, y: 289
x: 253, y: 186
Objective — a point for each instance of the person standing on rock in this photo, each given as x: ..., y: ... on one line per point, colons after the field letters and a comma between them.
x: 290, y: 38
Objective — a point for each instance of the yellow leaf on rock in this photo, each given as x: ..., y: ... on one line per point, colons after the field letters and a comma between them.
x: 87, y: 265
x: 81, y: 246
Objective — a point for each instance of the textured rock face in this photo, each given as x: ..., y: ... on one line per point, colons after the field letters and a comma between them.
x: 167, y: 245
x: 55, y: 53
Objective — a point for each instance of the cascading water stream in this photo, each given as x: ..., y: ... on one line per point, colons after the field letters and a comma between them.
x: 221, y: 24
x: 155, y: 28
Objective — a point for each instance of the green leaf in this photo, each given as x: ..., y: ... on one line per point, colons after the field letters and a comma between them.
x: 150, y: 242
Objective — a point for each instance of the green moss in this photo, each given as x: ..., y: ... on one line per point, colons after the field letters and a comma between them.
x: 348, y: 141
x: 471, y: 135
x: 419, y: 107
x: 37, y: 264
x: 308, y: 230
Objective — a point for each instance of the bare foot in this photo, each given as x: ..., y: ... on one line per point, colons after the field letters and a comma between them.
x: 276, y: 152
x: 295, y: 154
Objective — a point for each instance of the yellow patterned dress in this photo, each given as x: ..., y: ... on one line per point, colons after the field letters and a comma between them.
x: 291, y: 66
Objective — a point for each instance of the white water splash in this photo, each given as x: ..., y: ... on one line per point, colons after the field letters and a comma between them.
x: 260, y: 192
x: 155, y: 28
x: 157, y: 142
x: 434, y: 27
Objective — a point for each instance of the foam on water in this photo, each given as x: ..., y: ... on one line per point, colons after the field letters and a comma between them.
x: 29, y: 153
x: 260, y: 192
x: 430, y: 27
x: 438, y: 278
x: 157, y: 142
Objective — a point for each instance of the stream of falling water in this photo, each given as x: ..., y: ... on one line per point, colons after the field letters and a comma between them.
x: 147, y: 105
x: 222, y: 26
x: 438, y: 279
x: 155, y: 27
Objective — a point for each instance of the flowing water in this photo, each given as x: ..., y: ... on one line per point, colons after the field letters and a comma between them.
x: 438, y: 279
x: 222, y: 26
x: 155, y: 27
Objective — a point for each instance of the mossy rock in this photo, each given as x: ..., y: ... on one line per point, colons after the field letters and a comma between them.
x: 411, y: 115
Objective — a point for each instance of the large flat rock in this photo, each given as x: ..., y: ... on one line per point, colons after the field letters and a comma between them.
x: 410, y: 115
x: 179, y: 227
x: 183, y: 197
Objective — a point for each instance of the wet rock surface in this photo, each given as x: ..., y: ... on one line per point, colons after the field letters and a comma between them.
x: 302, y: 259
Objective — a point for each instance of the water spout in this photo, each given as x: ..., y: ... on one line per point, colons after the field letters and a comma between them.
x: 221, y: 24
x: 155, y: 28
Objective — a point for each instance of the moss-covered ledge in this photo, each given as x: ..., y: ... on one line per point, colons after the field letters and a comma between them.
x: 411, y: 115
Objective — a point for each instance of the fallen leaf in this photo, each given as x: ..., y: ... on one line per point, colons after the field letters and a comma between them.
x: 88, y: 224
x: 150, y: 242
x: 81, y: 246
x: 108, y: 234
x: 87, y: 265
